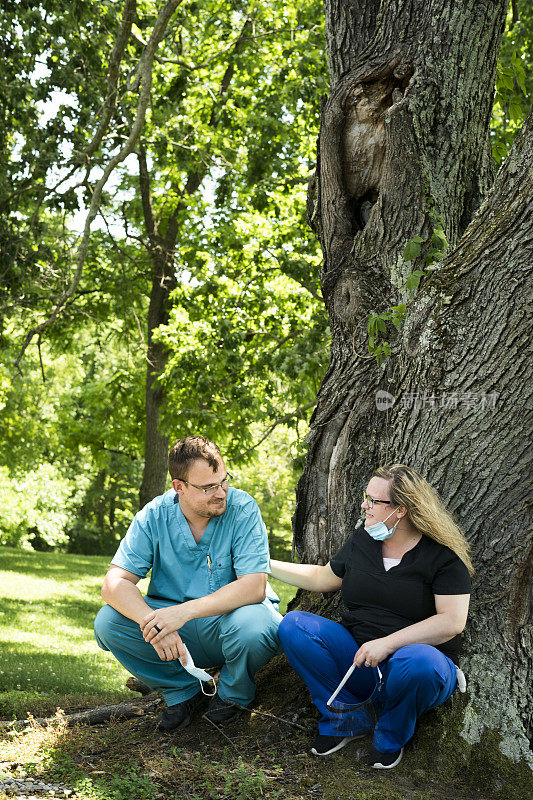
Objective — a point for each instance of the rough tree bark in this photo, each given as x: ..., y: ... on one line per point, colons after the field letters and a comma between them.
x: 404, y: 133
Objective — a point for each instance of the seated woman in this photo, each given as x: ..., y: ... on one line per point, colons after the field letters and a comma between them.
x: 405, y: 579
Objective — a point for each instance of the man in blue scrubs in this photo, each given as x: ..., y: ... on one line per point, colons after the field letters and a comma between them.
x: 207, y: 547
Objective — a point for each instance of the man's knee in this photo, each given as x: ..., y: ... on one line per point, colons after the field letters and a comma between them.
x: 251, y: 627
x: 105, y: 625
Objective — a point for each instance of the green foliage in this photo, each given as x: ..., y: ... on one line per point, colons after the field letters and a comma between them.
x: 35, y: 509
x: 213, y: 779
x: 514, y: 80
x: 71, y: 461
x: 247, y: 335
x: 134, y: 785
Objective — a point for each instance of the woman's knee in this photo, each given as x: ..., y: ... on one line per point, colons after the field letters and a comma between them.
x: 288, y: 624
x: 419, y: 664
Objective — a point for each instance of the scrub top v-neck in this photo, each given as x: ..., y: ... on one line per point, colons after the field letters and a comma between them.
x: 378, y: 602
x: 160, y: 539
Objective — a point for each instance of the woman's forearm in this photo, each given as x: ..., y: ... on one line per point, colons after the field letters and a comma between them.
x: 312, y: 577
x: 434, y: 630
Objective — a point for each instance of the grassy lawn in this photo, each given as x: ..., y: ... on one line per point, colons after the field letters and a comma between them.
x: 48, y: 602
x: 50, y: 659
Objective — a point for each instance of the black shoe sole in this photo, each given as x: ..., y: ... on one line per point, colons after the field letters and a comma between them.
x: 199, y: 707
x: 223, y: 721
x: 183, y: 724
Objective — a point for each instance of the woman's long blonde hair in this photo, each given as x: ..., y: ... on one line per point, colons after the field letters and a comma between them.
x: 425, y: 509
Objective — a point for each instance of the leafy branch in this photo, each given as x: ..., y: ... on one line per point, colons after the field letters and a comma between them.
x: 144, y: 72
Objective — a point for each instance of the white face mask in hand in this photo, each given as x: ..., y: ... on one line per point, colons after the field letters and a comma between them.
x: 201, y: 674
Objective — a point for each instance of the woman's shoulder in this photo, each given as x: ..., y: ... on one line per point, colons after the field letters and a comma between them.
x: 444, y: 561
x: 438, y: 550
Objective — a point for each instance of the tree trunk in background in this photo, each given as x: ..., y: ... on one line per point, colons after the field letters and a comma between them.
x: 155, y: 443
x: 405, y: 133
x: 164, y: 281
x: 161, y: 250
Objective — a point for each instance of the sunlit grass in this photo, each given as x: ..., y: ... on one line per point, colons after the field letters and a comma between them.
x: 48, y: 602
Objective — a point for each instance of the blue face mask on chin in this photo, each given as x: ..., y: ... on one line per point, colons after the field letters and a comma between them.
x: 379, y: 530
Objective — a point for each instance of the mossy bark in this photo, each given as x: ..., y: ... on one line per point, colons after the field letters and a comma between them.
x: 403, y: 142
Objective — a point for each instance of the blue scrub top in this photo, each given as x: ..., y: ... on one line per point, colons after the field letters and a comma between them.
x: 159, y: 538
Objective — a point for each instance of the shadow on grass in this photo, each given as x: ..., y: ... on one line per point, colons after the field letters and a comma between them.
x: 68, y: 566
x: 51, y: 613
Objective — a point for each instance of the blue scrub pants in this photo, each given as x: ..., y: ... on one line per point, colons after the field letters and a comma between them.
x: 417, y: 678
x: 241, y: 641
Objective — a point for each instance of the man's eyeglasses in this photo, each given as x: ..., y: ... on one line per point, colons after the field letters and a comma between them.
x: 211, y: 489
x: 372, y: 500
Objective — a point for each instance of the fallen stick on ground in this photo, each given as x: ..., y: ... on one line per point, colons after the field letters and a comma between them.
x: 93, y: 716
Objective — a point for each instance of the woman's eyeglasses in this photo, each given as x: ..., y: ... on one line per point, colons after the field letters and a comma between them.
x: 372, y: 500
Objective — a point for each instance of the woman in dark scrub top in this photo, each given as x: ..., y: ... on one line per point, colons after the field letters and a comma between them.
x: 405, y: 580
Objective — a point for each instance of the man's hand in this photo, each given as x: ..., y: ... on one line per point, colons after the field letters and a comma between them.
x: 161, y: 622
x: 373, y: 653
x: 171, y: 648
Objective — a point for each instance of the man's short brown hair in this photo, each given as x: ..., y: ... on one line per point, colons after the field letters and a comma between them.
x: 185, y: 451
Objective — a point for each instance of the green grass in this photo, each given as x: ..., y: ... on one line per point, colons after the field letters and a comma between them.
x: 48, y: 602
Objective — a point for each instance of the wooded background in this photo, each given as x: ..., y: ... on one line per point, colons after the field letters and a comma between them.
x: 159, y: 276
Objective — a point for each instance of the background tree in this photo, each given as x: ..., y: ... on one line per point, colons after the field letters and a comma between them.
x: 211, y: 202
x: 404, y: 159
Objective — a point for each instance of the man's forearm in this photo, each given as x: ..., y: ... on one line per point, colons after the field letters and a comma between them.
x: 125, y: 597
x: 248, y: 590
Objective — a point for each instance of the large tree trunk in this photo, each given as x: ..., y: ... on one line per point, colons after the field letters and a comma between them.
x: 404, y: 141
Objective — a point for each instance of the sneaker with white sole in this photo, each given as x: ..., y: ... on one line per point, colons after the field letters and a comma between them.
x: 325, y: 745
x: 384, y: 760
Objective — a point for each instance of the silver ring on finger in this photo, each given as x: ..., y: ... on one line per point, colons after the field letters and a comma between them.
x: 368, y: 664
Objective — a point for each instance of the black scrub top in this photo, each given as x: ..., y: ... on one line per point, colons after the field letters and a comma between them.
x: 379, y: 602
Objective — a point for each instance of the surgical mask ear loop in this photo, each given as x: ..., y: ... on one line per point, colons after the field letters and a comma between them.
x: 390, y: 515
x: 208, y: 694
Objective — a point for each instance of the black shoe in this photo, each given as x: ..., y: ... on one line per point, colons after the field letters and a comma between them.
x: 178, y: 716
x: 325, y: 745
x: 384, y: 760
x: 221, y: 710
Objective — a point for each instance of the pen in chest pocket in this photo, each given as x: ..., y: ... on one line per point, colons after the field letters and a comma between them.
x: 209, y: 564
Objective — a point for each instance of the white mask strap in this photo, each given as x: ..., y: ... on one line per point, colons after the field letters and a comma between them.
x: 390, y: 515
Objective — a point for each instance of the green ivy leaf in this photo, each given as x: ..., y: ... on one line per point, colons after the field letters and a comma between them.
x: 412, y: 282
x: 516, y: 113
x: 411, y: 250
x: 439, y: 240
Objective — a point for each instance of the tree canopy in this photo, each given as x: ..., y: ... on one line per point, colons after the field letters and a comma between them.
x: 210, y: 203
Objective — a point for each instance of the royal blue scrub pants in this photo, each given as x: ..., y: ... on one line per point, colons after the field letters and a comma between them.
x: 416, y: 678
x: 241, y: 641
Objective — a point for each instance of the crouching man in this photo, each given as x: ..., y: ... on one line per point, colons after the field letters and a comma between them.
x: 207, y: 547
